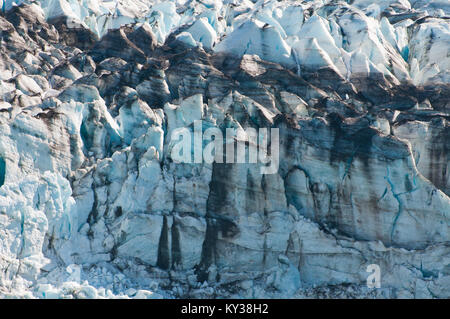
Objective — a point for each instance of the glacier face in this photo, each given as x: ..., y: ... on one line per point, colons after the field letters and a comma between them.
x: 92, y: 204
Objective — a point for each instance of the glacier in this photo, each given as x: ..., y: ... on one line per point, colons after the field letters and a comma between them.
x: 92, y: 204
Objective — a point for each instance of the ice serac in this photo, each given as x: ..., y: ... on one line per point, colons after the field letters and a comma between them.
x: 93, y: 204
x: 257, y: 37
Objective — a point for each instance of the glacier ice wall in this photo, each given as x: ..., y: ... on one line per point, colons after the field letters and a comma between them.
x: 92, y: 205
